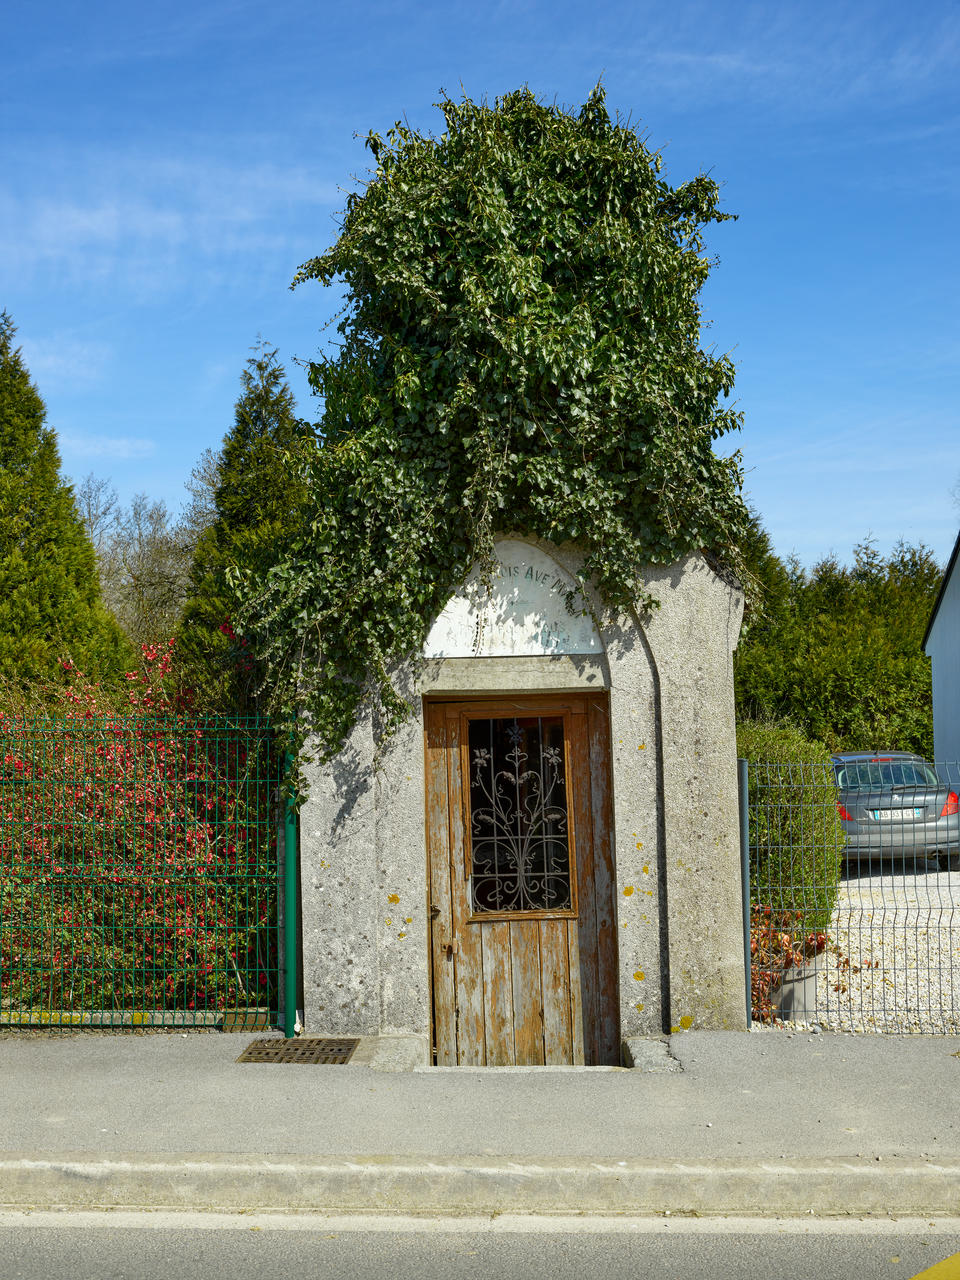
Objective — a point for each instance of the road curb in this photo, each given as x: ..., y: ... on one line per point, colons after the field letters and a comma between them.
x: 381, y: 1184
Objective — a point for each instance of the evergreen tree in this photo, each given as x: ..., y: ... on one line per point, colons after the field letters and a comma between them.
x: 836, y: 650
x: 766, y: 579
x: 50, y: 605
x: 256, y: 501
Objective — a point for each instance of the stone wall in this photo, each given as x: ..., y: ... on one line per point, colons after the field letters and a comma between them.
x: 676, y: 828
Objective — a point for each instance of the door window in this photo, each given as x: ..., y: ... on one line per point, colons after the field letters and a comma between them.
x: 519, y: 822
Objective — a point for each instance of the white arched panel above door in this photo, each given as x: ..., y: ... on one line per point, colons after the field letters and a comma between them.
x: 522, y: 613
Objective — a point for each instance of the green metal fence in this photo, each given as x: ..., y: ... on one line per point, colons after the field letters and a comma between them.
x: 139, y: 872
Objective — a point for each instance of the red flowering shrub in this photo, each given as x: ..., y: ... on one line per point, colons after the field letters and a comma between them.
x: 778, y: 942
x: 137, y: 852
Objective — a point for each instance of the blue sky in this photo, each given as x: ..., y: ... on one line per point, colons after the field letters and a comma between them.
x: 167, y: 168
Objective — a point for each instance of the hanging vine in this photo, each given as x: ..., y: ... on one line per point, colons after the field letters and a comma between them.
x: 519, y: 349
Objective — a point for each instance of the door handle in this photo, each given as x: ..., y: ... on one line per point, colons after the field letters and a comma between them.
x: 450, y: 947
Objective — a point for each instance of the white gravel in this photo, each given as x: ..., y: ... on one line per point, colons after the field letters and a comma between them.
x: 893, y: 961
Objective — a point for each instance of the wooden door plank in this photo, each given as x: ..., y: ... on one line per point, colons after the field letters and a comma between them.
x: 468, y: 960
x: 528, y: 1013
x: 438, y: 864
x: 585, y: 974
x: 499, y: 1047
x: 576, y: 1006
x: 555, y: 988
x: 604, y: 881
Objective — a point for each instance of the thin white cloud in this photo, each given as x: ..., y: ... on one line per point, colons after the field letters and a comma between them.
x: 165, y: 35
x: 808, y: 58
x: 730, y: 63
x: 867, y: 450
x: 62, y: 360
x: 91, y: 446
x: 111, y: 217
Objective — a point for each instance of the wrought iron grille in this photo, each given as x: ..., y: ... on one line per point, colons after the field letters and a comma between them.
x: 519, y: 829
x: 138, y: 872
x: 855, y: 895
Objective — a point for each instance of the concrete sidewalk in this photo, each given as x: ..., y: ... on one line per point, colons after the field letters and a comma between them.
x: 768, y: 1123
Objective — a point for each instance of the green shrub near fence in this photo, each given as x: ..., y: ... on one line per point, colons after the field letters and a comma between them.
x: 796, y: 852
x: 796, y: 840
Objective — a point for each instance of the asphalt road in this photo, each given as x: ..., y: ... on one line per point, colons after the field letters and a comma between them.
x: 157, y: 1246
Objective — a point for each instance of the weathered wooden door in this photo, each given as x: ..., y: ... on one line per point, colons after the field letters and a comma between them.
x: 521, y: 881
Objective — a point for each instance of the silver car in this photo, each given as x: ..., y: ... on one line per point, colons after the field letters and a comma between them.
x: 892, y: 804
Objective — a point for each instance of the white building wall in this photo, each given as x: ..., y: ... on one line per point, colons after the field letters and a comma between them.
x: 943, y: 648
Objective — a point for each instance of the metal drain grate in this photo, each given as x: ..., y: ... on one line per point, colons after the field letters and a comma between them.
x: 305, y: 1049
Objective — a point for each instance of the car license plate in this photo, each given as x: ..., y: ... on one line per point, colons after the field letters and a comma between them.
x: 900, y: 815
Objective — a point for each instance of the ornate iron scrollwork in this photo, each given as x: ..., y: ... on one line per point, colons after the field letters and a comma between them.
x: 518, y: 815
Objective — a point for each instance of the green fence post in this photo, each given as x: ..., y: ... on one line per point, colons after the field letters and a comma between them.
x: 290, y: 983
x: 743, y: 786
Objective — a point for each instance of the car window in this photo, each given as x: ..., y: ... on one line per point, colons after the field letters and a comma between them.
x: 877, y: 774
x: 914, y: 773
x: 858, y: 774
